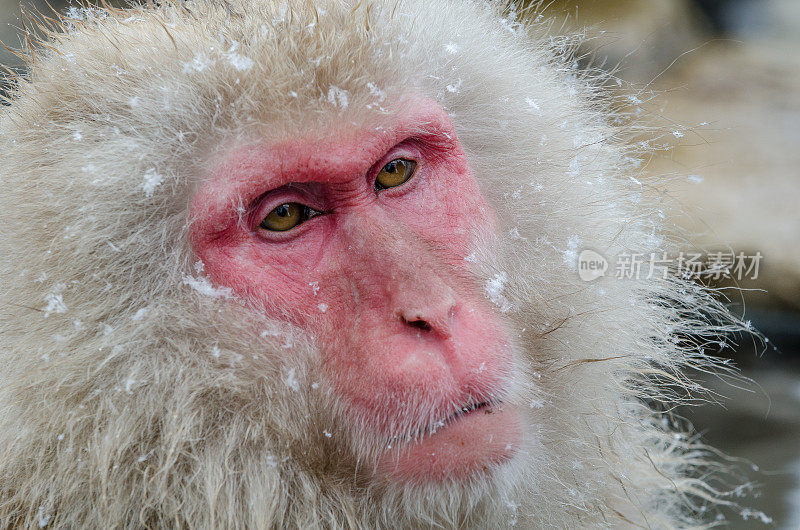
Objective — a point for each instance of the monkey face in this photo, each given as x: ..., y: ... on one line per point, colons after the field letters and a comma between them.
x: 361, y: 239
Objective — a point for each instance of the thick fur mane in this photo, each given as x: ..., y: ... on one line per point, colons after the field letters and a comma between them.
x: 136, y: 393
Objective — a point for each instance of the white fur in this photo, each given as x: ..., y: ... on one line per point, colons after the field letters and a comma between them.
x: 129, y: 397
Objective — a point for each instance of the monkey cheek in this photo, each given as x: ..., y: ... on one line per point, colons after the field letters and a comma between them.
x: 473, y: 444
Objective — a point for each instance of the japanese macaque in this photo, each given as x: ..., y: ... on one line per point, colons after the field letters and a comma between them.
x: 315, y: 265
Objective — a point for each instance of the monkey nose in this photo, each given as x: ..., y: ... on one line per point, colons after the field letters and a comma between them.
x: 435, y: 319
x: 417, y: 322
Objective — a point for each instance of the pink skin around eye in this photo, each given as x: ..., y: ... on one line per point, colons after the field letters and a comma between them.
x: 406, y: 336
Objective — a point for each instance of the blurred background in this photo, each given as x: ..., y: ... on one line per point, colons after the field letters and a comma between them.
x: 721, y: 79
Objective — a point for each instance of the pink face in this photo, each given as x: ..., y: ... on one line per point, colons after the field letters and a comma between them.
x: 377, y: 275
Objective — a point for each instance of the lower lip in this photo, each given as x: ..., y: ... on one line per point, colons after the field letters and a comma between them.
x: 476, y: 442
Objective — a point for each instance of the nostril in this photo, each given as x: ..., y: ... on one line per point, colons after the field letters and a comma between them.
x: 418, y: 323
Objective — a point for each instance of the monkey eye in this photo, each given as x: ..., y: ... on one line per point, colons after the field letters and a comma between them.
x: 287, y: 216
x: 395, y: 173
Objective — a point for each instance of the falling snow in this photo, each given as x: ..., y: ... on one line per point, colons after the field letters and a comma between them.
x: 456, y: 88
x: 571, y: 254
x: 748, y: 514
x: 204, y: 287
x: 291, y: 380
x: 238, y: 61
x: 451, y: 48
x: 200, y: 62
x: 338, y: 97
x: 55, y: 303
x: 494, y: 290
x: 271, y: 460
x: 379, y: 94
x: 42, y: 518
x: 152, y: 179
x: 140, y: 314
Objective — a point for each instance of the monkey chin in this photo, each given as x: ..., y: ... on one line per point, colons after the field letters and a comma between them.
x: 469, y: 444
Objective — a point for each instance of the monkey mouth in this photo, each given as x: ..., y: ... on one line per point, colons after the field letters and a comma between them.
x: 472, y: 408
x: 488, y: 407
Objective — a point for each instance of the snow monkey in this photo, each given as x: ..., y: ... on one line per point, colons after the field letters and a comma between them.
x: 316, y: 265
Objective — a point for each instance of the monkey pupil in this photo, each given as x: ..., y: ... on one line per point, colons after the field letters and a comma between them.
x: 282, y: 210
x: 391, y: 167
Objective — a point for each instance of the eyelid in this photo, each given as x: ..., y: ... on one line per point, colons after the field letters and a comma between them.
x: 272, y: 199
x: 408, y: 150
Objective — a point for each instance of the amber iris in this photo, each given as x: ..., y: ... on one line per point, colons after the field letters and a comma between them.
x: 395, y: 173
x: 285, y: 217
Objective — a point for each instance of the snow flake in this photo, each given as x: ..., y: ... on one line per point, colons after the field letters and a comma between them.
x: 514, y: 233
x: 55, y: 303
x: 571, y: 254
x: 511, y: 24
x: 376, y: 92
x: 83, y: 13
x: 152, y: 179
x: 456, y: 88
x: 140, y: 314
x: 291, y: 380
x: 452, y: 48
x: 575, y: 167
x: 200, y: 62
x: 494, y: 290
x: 42, y: 518
x: 204, y: 287
x: 238, y: 61
x: 338, y: 97
x: 532, y: 104
x: 748, y: 514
